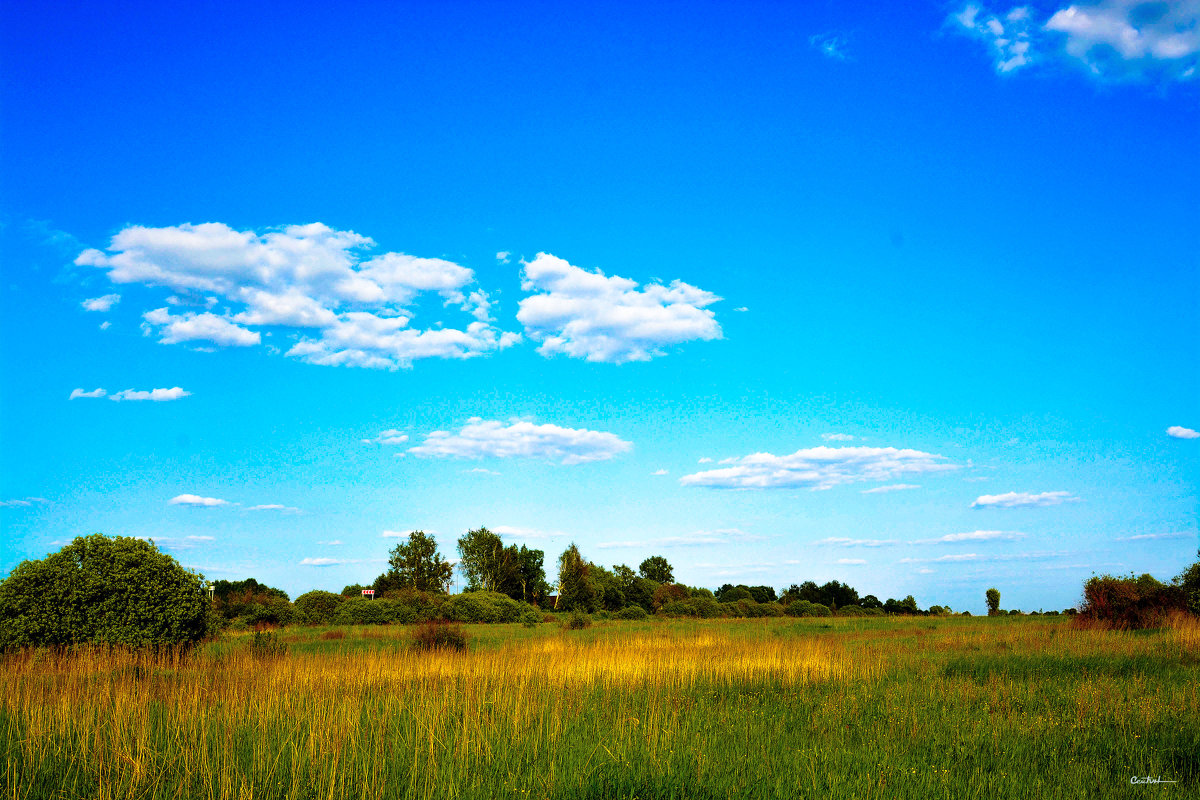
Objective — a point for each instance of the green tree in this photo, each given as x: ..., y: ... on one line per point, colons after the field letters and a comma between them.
x: 487, y: 563
x: 993, y: 602
x: 317, y: 607
x: 418, y: 565
x: 575, y: 591
x: 531, y: 574
x: 103, y: 590
x: 657, y: 569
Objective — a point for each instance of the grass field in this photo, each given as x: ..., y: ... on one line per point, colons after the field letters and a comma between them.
x: 776, y: 708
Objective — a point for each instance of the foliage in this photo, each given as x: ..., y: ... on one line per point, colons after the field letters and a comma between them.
x: 993, y: 601
x: 803, y: 608
x: 317, y: 607
x: 252, y: 602
x: 1129, y: 603
x: 657, y: 569
x: 485, y: 607
x: 439, y: 635
x: 575, y: 591
x: 354, y: 590
x: 833, y: 593
x: 1189, y: 582
x: 906, y: 606
x: 267, y: 646
x: 668, y: 593
x: 100, y: 589
x: 577, y: 620
x: 606, y: 588
x: 731, y: 594
x: 361, y: 611
x: 631, y: 612
x: 519, y: 573
x: 417, y: 564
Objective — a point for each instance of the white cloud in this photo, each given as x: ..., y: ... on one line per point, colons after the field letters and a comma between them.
x: 1142, y: 537
x: 851, y: 561
x: 274, y: 507
x: 503, y: 257
x: 660, y: 472
x: 705, y: 460
x: 817, y: 468
x: 23, y: 503
x: 1116, y: 40
x: 192, y: 327
x: 830, y: 45
x: 842, y: 541
x: 1179, y: 432
x: 197, y: 501
x: 976, y: 557
x: 974, y: 536
x: 492, y: 439
x: 1023, y: 500
x: 105, y: 325
x: 741, y: 308
x: 837, y: 437
x: 511, y: 532
x: 694, y: 539
x: 895, y: 487
x: 321, y: 562
x: 349, y: 309
x: 391, y: 436
x: 81, y: 393
x: 332, y: 543
x: 155, y: 395
x: 609, y: 319
x: 101, y: 303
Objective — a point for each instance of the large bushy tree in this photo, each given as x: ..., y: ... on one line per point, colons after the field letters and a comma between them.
x: 103, y: 590
x: 575, y: 591
x: 487, y: 563
x: 417, y: 564
x: 657, y: 569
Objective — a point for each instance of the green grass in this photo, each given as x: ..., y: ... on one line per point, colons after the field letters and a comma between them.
x: 776, y: 708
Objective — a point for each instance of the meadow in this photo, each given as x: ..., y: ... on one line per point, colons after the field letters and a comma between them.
x: 912, y: 707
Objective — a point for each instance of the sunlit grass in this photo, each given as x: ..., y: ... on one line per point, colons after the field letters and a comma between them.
x: 731, y: 708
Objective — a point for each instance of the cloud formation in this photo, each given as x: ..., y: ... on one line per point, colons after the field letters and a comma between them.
x: 974, y: 536
x: 196, y: 501
x: 894, y: 487
x: 843, y: 541
x: 589, y: 315
x: 1179, y: 432
x: 321, y: 562
x: 492, y: 439
x: 830, y: 45
x: 1023, y: 500
x: 343, y: 306
x: 694, y: 539
x: 390, y: 437
x: 817, y: 468
x: 274, y: 507
x: 23, y: 503
x: 154, y: 395
x: 101, y: 303
x: 1114, y: 40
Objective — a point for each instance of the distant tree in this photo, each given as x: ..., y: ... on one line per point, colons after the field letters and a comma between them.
x: 353, y: 590
x: 252, y: 602
x: 103, y: 590
x: 993, y: 602
x: 1189, y: 583
x: 640, y: 592
x: 486, y: 562
x: 657, y: 569
x: 531, y: 574
x: 870, y: 601
x: 607, y: 588
x: 417, y: 564
x: 668, y: 593
x: 906, y: 606
x: 625, y: 574
x: 575, y: 591
x: 763, y: 594
x: 317, y: 607
x: 732, y: 594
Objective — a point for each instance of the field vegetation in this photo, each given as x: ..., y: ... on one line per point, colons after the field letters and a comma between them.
x: 778, y: 707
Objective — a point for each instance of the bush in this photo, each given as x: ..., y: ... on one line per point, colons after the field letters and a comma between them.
x: 317, y: 607
x: 267, y: 646
x: 361, y: 611
x: 803, y: 608
x: 631, y: 612
x: 577, y: 621
x: 668, y: 593
x: 484, y: 607
x: 439, y: 635
x: 1129, y: 603
x: 103, y: 590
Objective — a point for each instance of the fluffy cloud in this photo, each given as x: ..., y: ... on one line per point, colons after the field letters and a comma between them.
x: 389, y: 437
x: 1179, y: 432
x: 101, y: 303
x: 974, y: 536
x: 321, y: 562
x: 345, y: 308
x: 1112, y: 39
x: 155, y: 395
x: 491, y: 439
x: 197, y: 501
x: 817, y: 468
x: 77, y: 393
x: 895, y: 487
x: 837, y: 437
x: 589, y: 315
x: 1023, y: 500
x: 660, y: 472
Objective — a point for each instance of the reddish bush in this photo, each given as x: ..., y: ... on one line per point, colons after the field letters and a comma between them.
x: 668, y: 593
x: 439, y: 635
x: 1128, y: 603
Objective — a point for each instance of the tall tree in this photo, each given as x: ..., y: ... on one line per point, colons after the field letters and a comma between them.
x: 487, y: 563
x: 531, y: 573
x: 657, y: 569
x: 993, y: 602
x: 575, y: 591
x: 417, y: 564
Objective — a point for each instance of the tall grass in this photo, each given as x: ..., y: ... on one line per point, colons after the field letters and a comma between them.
x: 746, y: 708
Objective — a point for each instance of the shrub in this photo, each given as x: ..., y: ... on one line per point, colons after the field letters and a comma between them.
x: 317, y: 607
x: 1128, y: 603
x: 439, y: 635
x: 332, y: 635
x: 668, y: 593
x: 735, y: 594
x: 103, y: 590
x: 803, y: 608
x: 484, y: 607
x: 631, y: 612
x: 267, y: 646
x: 577, y: 621
x: 361, y: 611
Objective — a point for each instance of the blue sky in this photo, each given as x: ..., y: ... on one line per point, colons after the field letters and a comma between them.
x: 905, y: 297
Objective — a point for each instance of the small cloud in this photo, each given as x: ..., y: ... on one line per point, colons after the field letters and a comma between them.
x: 332, y: 543
x: 895, y: 487
x: 818, y: 468
x: 521, y: 439
x: 196, y: 501
x: 660, y: 472
x: 274, y: 507
x: 837, y: 437
x: 842, y: 541
x: 105, y: 325
x: 974, y: 536
x: 694, y: 539
x: 155, y: 395
x: 705, y: 460
x: 25, y: 503
x: 391, y: 437
x: 1142, y: 537
x: 830, y: 45
x: 503, y: 257
x: 476, y: 470
x: 856, y: 562
x: 925, y: 571
x: 321, y: 562
x: 101, y: 303
x: 199, y: 538
x: 1024, y: 500
x: 1179, y: 432
x: 741, y: 309
x: 81, y: 393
